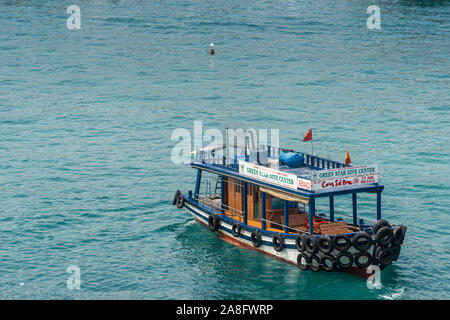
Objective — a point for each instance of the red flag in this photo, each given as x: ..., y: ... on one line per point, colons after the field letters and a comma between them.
x: 347, y: 158
x: 308, y: 135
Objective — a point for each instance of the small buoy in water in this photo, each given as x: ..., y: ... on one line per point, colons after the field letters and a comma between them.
x: 211, y: 51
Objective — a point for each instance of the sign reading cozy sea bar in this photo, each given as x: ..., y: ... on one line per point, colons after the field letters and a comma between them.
x: 255, y: 171
x: 344, y: 177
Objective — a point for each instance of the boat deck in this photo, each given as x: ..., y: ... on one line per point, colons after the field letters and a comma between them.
x: 298, y: 219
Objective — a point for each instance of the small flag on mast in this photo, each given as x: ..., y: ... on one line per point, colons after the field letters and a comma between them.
x: 347, y: 158
x: 308, y: 135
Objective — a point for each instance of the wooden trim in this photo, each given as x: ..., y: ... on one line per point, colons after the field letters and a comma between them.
x: 284, y: 196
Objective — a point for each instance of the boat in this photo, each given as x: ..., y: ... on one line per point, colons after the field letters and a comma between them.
x: 267, y: 198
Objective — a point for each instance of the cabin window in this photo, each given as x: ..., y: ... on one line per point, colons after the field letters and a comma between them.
x: 257, y: 212
x: 257, y: 204
x: 209, y: 186
x: 277, y: 203
x: 210, y: 191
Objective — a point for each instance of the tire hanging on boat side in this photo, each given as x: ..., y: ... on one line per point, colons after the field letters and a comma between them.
x: 236, y: 230
x: 363, y: 245
x: 300, y: 257
x: 385, y: 256
x: 214, y: 222
x: 338, y: 245
x: 176, y: 196
x: 180, y: 201
x: 256, y: 239
x: 330, y: 258
x: 341, y: 264
x: 404, y: 233
x: 325, y: 244
x: 314, y: 267
x: 311, y: 244
x: 398, y: 235
x: 300, y: 243
x: 362, y: 254
x: 385, y: 236
x: 278, y: 242
x: 396, y: 250
x: 380, y: 224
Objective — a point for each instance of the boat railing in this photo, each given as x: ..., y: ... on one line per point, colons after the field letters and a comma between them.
x: 308, y: 159
x: 240, y: 214
x: 343, y: 214
x: 221, y: 155
x: 222, y: 206
x: 283, y: 226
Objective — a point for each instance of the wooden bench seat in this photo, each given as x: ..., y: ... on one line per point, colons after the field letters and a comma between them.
x: 334, y: 228
x: 276, y: 216
x: 297, y: 221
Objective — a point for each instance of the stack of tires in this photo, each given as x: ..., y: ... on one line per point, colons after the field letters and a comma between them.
x: 388, y: 242
x: 333, y: 252
x: 340, y: 252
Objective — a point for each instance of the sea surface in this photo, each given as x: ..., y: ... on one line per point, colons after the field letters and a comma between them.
x: 86, y: 123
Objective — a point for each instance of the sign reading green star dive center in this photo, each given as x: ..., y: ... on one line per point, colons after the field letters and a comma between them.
x: 347, y: 172
x: 269, y: 175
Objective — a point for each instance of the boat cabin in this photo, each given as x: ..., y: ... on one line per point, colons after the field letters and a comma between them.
x: 277, y: 189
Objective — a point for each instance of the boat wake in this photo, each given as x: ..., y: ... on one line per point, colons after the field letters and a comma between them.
x: 394, y: 296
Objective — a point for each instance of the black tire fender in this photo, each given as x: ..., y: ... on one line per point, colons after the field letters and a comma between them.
x: 325, y: 267
x: 360, y: 255
x: 278, y: 242
x: 385, y: 256
x: 302, y: 266
x: 313, y: 267
x: 311, y: 244
x: 362, y: 241
x: 236, y: 230
x: 396, y: 250
x: 380, y: 224
x: 338, y: 245
x: 398, y: 235
x: 384, y: 236
x: 404, y: 233
x: 300, y: 243
x: 176, y: 196
x: 256, y: 239
x: 214, y: 222
x: 344, y: 265
x: 325, y: 244
x: 180, y: 201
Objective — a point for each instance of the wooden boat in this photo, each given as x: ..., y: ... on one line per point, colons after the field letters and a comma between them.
x: 266, y: 198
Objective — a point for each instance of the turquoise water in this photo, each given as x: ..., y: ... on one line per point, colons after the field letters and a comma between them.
x: 86, y: 118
